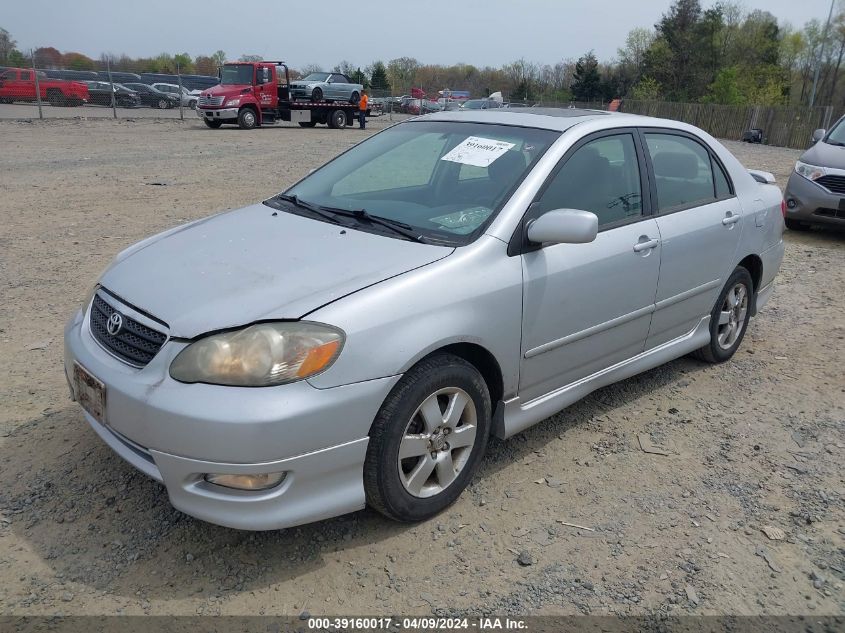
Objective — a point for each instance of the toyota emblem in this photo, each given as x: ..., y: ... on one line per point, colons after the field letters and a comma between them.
x: 115, y: 323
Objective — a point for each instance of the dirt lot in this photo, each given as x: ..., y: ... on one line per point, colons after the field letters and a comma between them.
x: 757, y: 442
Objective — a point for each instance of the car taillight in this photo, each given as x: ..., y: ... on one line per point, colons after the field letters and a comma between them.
x: 783, y: 207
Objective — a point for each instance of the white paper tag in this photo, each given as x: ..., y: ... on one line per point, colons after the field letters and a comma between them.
x: 477, y: 151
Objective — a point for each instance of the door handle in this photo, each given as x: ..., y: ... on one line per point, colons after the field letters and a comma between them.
x: 639, y: 247
x: 730, y: 218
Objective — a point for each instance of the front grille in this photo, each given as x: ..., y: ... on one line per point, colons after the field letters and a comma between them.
x: 831, y: 213
x: 836, y: 184
x: 135, y: 343
x: 214, y: 102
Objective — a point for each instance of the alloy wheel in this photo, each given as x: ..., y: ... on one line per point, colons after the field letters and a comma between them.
x: 732, y: 315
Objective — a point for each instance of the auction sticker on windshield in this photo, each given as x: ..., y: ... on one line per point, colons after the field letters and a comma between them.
x: 477, y: 151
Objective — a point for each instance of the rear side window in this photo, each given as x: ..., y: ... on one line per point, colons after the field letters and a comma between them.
x: 684, y: 172
x: 26, y: 76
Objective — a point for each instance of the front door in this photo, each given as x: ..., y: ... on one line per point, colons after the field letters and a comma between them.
x: 588, y: 306
x: 700, y: 221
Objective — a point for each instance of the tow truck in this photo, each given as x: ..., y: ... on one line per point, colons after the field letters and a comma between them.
x: 251, y: 94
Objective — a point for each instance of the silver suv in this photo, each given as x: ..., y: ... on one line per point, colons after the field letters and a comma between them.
x: 188, y: 99
x: 358, y: 338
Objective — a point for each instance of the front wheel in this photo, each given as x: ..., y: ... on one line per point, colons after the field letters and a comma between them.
x: 247, y: 119
x: 427, y: 439
x: 729, y: 318
x: 317, y: 94
x: 212, y: 124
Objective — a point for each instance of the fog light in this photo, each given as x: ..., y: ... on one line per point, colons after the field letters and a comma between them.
x: 791, y: 203
x: 261, y: 481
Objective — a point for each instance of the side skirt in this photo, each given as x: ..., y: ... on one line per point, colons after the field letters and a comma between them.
x: 519, y: 415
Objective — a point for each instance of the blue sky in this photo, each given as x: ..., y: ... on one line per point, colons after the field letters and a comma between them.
x: 480, y: 32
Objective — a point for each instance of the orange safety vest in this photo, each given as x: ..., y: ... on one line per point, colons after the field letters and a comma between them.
x: 362, y: 103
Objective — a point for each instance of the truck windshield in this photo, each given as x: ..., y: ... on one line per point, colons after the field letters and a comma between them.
x: 235, y: 74
x: 444, y: 180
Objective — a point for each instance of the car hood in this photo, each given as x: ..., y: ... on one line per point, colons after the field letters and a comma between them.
x: 255, y: 264
x: 825, y: 155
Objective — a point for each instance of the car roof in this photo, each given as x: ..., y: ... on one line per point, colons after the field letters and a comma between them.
x: 559, y: 119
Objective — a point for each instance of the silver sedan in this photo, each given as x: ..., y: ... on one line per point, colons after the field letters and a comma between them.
x: 357, y: 339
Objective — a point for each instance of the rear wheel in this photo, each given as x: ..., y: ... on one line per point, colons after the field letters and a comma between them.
x: 307, y: 123
x: 317, y: 94
x: 247, y: 119
x: 163, y: 103
x: 55, y: 98
x: 796, y: 225
x: 355, y: 98
x: 729, y: 318
x: 192, y: 104
x: 337, y: 119
x: 427, y: 439
x: 212, y: 124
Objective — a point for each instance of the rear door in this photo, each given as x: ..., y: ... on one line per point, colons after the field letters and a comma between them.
x: 700, y: 221
x: 588, y: 306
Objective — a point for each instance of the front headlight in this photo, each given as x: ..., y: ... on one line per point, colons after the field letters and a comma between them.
x: 260, y: 355
x: 233, y: 102
x: 810, y: 172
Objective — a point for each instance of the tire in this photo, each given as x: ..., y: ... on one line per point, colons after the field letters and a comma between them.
x: 247, y: 119
x: 337, y: 119
x: 192, y: 104
x: 395, y: 487
x: 734, y: 308
x: 796, y: 225
x: 5, y: 100
x: 163, y: 104
x: 55, y: 98
x: 212, y: 124
x: 307, y: 123
x: 317, y: 94
x: 354, y: 98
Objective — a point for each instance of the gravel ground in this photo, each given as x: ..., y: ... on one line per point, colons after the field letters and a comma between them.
x: 753, y: 443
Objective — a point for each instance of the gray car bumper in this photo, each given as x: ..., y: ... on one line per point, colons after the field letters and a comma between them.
x: 177, y: 433
x: 807, y: 201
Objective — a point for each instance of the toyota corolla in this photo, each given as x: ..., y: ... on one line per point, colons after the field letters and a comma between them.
x: 356, y: 339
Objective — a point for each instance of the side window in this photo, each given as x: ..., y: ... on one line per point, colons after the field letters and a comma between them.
x: 682, y: 171
x: 26, y: 75
x: 603, y: 177
x: 723, y: 188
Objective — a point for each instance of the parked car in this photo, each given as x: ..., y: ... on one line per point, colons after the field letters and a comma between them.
x: 326, y: 87
x: 385, y: 315
x: 188, y: 99
x: 18, y: 84
x: 481, y: 104
x: 99, y: 92
x: 154, y: 98
x: 815, y: 191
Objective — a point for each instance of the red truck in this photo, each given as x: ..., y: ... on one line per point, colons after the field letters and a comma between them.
x: 18, y: 84
x: 258, y: 93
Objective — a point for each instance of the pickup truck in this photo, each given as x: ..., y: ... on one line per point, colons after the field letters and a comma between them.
x: 18, y: 84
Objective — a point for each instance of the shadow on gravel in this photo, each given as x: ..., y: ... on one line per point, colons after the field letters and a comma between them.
x: 96, y: 520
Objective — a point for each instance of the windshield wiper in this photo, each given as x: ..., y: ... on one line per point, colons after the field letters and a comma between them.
x: 394, y: 225
x: 313, y: 208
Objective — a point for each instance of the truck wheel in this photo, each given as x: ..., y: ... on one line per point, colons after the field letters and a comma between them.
x: 247, y: 119
x: 337, y: 120
x: 354, y: 98
x: 307, y: 123
x: 317, y: 94
x: 212, y: 124
x: 55, y: 98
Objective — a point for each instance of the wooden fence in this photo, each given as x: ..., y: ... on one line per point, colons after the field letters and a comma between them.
x: 784, y: 126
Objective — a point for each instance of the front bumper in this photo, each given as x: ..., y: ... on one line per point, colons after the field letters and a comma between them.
x: 220, y: 114
x: 808, y: 202
x: 176, y: 433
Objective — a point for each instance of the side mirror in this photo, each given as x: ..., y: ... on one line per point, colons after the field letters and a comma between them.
x: 564, y: 226
x: 818, y: 135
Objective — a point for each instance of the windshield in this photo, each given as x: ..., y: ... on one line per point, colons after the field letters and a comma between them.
x: 236, y: 74
x: 474, y: 104
x: 446, y: 180
x: 316, y: 77
x: 836, y: 136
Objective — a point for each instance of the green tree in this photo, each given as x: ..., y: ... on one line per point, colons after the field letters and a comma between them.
x: 725, y: 89
x: 219, y: 58
x: 250, y: 58
x: 586, y: 84
x: 184, y: 63
x: 378, y: 76
x: 647, y: 89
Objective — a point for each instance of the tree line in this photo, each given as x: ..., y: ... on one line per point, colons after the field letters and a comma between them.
x: 718, y: 54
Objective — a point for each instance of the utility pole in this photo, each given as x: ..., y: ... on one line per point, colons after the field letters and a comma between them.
x: 821, y: 54
x: 37, y: 86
